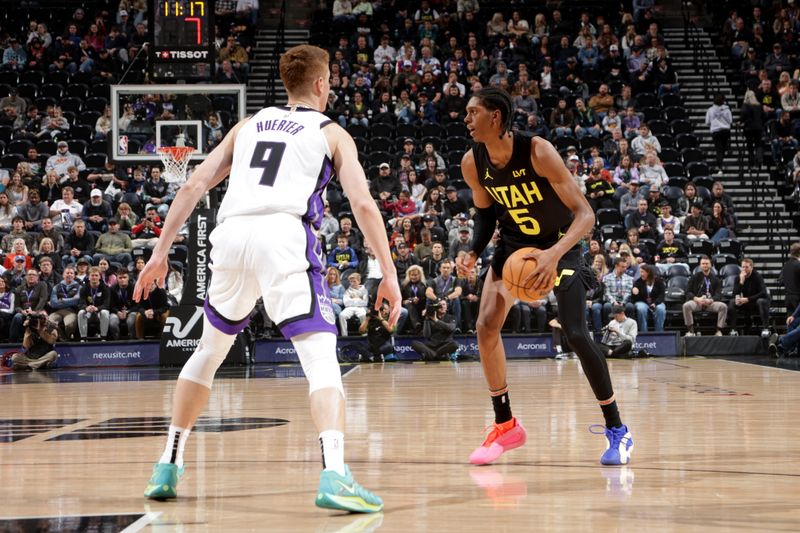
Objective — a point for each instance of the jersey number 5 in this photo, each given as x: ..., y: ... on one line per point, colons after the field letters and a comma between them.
x: 267, y: 155
x: 527, y: 224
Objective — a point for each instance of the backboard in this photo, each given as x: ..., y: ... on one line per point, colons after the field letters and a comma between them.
x: 146, y: 117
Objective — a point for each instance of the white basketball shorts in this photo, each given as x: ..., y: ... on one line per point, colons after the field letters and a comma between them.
x: 278, y: 257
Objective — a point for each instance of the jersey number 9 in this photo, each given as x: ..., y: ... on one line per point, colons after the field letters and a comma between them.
x: 273, y: 152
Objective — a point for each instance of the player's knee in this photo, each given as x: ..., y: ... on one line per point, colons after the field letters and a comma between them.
x: 209, y: 355
x: 489, y: 323
x: 576, y: 334
x: 317, y: 354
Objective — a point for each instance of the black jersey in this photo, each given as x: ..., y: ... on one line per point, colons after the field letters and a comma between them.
x: 528, y: 208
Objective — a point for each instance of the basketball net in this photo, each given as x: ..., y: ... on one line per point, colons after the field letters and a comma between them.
x: 176, y: 161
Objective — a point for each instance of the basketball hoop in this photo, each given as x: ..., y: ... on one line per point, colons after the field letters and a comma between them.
x: 176, y: 161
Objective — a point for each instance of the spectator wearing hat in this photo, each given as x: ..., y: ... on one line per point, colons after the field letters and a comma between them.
x: 97, y: 212
x: 667, y: 219
x: 16, y: 102
x: 453, y: 205
x: 620, y: 334
x: 573, y: 163
x: 385, y: 186
x: 696, y: 223
x: 63, y: 160
x: 455, y: 225
x: 404, y: 260
x: 462, y: 243
x: 15, y: 276
x: 437, y: 233
x: 113, y: 245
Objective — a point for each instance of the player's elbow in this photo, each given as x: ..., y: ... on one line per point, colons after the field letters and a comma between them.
x: 361, y: 205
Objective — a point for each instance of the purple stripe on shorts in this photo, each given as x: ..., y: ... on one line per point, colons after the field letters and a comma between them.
x: 229, y: 327
x: 321, y: 306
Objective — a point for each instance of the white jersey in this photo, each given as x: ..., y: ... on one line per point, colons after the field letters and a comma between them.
x: 281, y: 164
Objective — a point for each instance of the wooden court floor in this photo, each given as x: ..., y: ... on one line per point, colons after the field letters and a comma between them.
x: 716, y: 449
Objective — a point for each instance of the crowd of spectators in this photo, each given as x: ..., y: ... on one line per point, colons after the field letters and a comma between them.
x: 762, y: 44
x: 599, y: 85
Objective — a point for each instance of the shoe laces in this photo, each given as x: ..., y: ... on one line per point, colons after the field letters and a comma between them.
x: 614, y: 437
x: 494, y: 432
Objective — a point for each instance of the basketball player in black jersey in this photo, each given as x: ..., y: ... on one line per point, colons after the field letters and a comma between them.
x: 521, y: 182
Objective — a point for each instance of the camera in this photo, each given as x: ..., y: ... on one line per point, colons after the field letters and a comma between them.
x: 433, y: 306
x: 36, y: 320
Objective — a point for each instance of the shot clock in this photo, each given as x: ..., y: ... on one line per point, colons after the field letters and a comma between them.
x: 182, y: 39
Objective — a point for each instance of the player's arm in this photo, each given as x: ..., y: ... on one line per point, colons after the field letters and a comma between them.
x: 548, y: 163
x: 485, y: 219
x: 354, y: 183
x: 206, y: 176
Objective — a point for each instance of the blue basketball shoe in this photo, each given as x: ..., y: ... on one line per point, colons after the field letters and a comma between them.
x: 163, y: 483
x: 620, y: 444
x: 344, y: 494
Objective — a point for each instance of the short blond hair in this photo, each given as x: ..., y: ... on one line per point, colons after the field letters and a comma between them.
x: 301, y: 65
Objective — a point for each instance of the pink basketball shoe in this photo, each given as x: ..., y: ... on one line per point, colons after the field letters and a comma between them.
x: 501, y: 438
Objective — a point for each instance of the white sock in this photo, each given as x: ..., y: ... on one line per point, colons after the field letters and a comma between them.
x: 176, y: 442
x: 332, y: 444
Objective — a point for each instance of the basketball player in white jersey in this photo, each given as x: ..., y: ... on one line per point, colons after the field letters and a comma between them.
x: 279, y: 161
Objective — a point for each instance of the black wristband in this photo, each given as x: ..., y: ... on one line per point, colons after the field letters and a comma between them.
x: 483, y: 230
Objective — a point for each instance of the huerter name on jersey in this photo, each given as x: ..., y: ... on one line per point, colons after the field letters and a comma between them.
x: 287, y: 126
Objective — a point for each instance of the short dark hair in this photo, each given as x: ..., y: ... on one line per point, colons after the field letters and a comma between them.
x: 496, y: 99
x: 619, y: 260
x: 794, y: 249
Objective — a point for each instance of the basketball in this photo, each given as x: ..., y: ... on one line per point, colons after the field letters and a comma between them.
x: 516, y: 269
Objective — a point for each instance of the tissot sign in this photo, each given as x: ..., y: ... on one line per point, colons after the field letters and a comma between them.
x: 183, y: 54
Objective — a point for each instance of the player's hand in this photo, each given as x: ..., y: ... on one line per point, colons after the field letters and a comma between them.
x: 388, y: 290
x: 544, y: 274
x: 465, y: 263
x: 154, y: 271
x: 789, y: 320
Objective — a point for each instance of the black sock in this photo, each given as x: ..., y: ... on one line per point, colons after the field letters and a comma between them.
x: 174, y: 456
x: 502, y: 408
x: 611, y: 414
